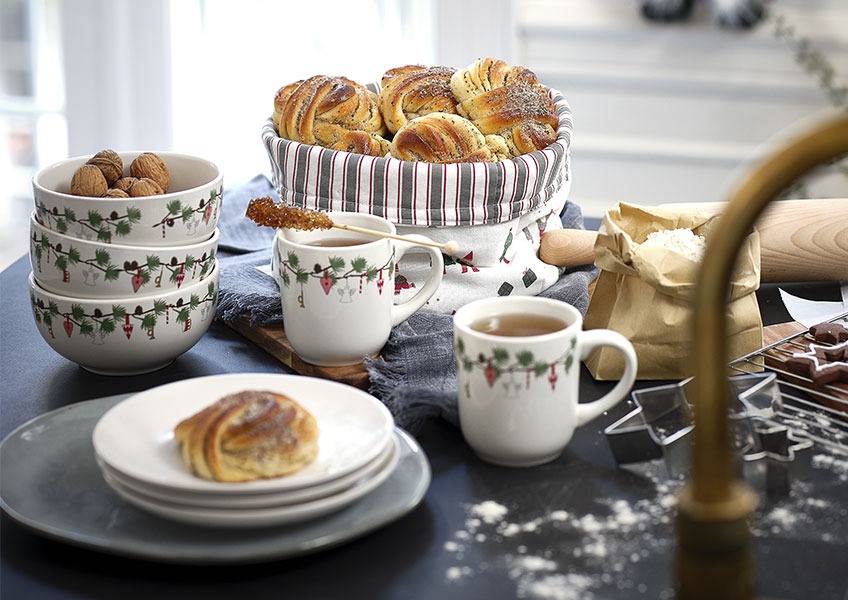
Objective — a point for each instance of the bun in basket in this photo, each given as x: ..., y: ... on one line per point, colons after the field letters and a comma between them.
x: 440, y: 138
x: 414, y: 91
x: 504, y: 104
x: 323, y: 110
x: 507, y: 102
x: 248, y: 435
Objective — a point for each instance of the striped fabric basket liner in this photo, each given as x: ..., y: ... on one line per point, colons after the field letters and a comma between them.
x: 496, y: 212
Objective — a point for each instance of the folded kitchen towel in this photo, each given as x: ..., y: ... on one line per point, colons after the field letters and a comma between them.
x: 415, y: 375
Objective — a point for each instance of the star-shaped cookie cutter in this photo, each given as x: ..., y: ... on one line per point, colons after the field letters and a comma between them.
x: 782, y: 457
x: 661, y: 425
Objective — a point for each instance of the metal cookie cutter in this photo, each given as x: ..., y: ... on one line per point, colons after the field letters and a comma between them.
x: 780, y: 458
x: 661, y: 425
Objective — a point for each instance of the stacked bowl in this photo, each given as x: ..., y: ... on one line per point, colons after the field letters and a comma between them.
x: 124, y: 285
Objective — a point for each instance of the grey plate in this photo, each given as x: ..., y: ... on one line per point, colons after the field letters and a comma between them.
x: 50, y: 482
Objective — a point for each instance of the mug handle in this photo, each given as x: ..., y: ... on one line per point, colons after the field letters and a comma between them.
x: 591, y: 339
x: 404, y: 310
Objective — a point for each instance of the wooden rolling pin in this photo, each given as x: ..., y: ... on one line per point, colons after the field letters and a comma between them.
x: 800, y: 240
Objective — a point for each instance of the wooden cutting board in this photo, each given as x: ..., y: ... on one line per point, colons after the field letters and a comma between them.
x: 273, y: 340
x: 781, y: 331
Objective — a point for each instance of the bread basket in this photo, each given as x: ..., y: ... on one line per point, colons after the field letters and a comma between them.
x: 495, y: 211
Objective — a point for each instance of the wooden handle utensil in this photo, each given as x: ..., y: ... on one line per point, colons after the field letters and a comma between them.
x: 800, y: 240
x: 264, y: 211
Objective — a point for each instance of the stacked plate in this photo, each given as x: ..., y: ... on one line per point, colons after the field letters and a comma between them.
x: 140, y: 460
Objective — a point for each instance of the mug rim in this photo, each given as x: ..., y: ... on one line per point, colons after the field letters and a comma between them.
x: 462, y: 321
x: 354, y: 216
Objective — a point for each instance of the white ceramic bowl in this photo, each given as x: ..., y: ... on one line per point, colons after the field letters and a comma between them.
x: 125, y: 336
x: 187, y: 213
x: 88, y: 269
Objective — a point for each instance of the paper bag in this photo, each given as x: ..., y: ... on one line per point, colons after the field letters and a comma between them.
x: 645, y: 292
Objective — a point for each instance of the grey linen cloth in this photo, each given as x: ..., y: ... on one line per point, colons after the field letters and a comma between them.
x: 243, y: 245
x: 415, y: 375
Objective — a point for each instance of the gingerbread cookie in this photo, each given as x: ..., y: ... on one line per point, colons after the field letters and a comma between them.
x: 822, y: 364
x: 837, y: 353
x: 829, y: 333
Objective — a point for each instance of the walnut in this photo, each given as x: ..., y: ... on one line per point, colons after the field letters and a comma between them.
x: 124, y: 184
x: 116, y: 193
x: 88, y: 181
x: 145, y: 187
x: 110, y: 164
x: 149, y: 165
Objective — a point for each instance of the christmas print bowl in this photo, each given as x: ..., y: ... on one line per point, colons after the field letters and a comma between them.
x: 89, y: 269
x: 125, y: 336
x: 186, y: 214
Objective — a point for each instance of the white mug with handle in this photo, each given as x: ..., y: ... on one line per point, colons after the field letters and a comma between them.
x: 337, y: 287
x: 518, y: 377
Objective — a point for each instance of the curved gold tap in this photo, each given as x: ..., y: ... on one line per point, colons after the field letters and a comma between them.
x: 714, y: 553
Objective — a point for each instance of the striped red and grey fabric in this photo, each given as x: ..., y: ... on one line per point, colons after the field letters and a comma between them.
x: 420, y: 194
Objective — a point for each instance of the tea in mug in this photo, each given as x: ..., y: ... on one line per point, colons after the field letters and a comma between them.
x: 336, y: 242
x: 518, y: 325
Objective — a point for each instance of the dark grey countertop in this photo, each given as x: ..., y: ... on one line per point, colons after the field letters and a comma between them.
x: 579, y: 527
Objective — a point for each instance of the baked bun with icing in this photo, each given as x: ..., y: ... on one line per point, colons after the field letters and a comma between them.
x: 248, y: 435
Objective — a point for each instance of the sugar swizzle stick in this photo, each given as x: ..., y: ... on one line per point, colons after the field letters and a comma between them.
x: 264, y: 211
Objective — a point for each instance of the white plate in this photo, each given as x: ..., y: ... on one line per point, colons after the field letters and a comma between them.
x: 136, y: 436
x: 230, y: 501
x: 255, y: 517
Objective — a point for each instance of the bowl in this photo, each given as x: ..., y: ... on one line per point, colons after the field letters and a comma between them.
x: 125, y: 336
x: 90, y: 269
x: 186, y: 214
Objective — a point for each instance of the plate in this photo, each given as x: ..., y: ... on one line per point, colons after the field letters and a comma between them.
x: 136, y: 436
x: 211, y: 500
x: 257, y: 516
x: 263, y: 516
x: 50, y: 483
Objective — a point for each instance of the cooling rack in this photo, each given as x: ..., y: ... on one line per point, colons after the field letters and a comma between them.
x: 817, y: 412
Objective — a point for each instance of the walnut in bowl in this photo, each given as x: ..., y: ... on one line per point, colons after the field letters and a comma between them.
x: 133, y: 209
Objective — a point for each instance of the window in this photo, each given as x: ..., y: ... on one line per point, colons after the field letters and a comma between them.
x: 229, y: 59
x: 194, y: 76
x: 32, y: 123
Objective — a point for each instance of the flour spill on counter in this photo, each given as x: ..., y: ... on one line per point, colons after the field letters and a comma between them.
x: 834, y: 463
x: 560, y: 554
x: 590, y: 551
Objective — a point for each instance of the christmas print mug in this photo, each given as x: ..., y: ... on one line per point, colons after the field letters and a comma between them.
x: 518, y: 377
x: 338, y: 287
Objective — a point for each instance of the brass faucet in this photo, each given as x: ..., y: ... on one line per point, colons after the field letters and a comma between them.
x: 714, y: 547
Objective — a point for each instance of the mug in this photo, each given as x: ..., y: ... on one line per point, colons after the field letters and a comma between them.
x: 518, y: 376
x: 337, y: 287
